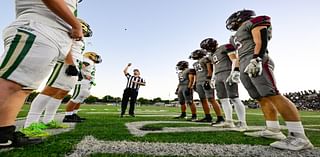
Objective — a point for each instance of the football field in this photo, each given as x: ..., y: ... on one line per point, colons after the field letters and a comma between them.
x: 154, y: 132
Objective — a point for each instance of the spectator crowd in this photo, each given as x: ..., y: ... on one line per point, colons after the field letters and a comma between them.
x: 305, y: 100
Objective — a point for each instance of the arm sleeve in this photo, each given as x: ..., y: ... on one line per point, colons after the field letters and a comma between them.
x: 127, y: 75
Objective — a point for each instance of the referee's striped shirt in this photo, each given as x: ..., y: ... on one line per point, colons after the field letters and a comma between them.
x: 131, y: 81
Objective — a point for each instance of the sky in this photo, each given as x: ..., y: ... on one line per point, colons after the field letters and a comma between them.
x: 154, y: 35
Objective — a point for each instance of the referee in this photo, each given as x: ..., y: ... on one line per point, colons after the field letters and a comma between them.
x: 131, y: 91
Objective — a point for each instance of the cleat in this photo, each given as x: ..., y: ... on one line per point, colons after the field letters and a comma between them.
x: 226, y: 124
x: 71, y: 119
x: 267, y: 133
x: 193, y: 119
x: 205, y: 120
x: 19, y: 139
x: 217, y: 123
x: 35, y: 130
x: 56, y: 125
x: 132, y: 115
x: 181, y: 117
x: 79, y: 117
x: 242, y: 126
x: 292, y: 143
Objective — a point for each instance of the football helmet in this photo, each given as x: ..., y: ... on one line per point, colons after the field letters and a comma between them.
x: 198, y: 54
x: 209, y: 44
x: 181, y: 65
x: 234, y: 21
x: 93, y: 56
x: 86, y: 30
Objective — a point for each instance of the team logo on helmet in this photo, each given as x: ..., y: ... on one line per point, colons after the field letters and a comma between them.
x: 198, y: 54
x: 181, y: 65
x: 93, y: 56
x: 235, y: 19
x: 86, y: 30
x: 209, y: 44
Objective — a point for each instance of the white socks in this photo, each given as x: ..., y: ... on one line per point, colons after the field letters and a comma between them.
x: 69, y: 113
x: 51, y: 110
x: 75, y: 111
x: 227, y: 108
x: 296, y: 127
x: 37, y: 107
x: 273, y: 125
x: 240, y: 109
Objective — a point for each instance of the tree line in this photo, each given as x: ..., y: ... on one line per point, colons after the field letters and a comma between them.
x: 106, y: 99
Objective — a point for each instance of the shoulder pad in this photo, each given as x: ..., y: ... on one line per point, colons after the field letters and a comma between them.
x: 261, y: 21
x: 192, y: 71
x: 230, y: 47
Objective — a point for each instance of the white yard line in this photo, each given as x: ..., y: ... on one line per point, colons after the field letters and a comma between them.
x: 135, y: 128
x: 90, y: 145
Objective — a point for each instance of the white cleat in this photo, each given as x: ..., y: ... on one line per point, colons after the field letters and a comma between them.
x: 267, y: 134
x: 292, y: 143
x: 226, y: 124
x: 242, y: 127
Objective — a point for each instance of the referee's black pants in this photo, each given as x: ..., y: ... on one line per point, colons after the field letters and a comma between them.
x: 132, y: 94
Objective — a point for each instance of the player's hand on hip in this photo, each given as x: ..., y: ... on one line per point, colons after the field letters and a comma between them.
x: 234, y: 77
x: 254, y: 68
x: 76, y: 33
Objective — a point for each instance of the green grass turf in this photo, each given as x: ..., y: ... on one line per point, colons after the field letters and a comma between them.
x: 110, y: 127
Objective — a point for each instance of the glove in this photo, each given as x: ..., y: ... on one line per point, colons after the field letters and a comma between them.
x: 254, y: 68
x: 72, y: 71
x: 207, y: 85
x: 234, y: 77
x: 213, y: 82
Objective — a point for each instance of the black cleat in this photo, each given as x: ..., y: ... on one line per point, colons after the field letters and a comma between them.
x: 218, y: 122
x: 19, y: 140
x: 205, y: 120
x: 78, y: 117
x: 181, y: 117
x: 132, y: 115
x: 71, y: 119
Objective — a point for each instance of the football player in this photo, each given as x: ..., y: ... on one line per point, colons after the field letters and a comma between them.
x: 185, y: 89
x: 256, y: 74
x: 204, y: 72
x: 42, y: 31
x: 83, y: 86
x: 62, y: 79
x: 226, y: 78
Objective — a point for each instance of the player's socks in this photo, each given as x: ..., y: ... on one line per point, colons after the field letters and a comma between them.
x: 227, y: 109
x: 273, y: 125
x: 296, y: 128
x: 51, y: 110
x: 240, y: 109
x: 38, y: 105
x: 69, y: 113
x: 75, y: 111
